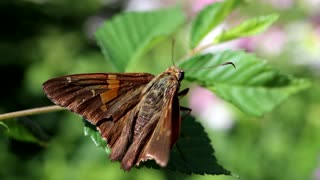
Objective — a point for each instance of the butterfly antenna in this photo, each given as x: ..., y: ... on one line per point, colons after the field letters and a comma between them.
x: 209, y: 67
x: 172, y: 51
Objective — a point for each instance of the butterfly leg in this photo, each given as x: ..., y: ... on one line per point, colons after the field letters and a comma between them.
x: 186, y: 111
x: 183, y: 93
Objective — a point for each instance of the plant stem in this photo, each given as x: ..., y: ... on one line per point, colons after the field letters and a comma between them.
x: 199, y: 49
x: 28, y: 112
x: 195, y: 51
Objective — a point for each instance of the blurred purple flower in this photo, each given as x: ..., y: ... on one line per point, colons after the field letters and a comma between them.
x: 317, y: 173
x: 315, y: 21
x: 317, y: 29
x: 270, y: 43
x: 273, y: 41
x: 246, y: 43
x: 280, y: 4
x: 200, y: 4
x: 145, y: 5
x: 200, y: 98
x: 210, y: 109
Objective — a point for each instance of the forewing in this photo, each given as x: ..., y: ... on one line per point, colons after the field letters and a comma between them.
x: 165, y: 133
x: 97, y: 96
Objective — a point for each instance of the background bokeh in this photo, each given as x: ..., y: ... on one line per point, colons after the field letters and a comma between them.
x: 41, y: 39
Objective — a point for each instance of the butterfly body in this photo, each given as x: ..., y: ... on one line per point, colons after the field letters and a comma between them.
x: 138, y: 114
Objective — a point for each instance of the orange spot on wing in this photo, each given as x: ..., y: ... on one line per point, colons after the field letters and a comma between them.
x: 108, y: 95
x: 113, y: 84
x: 112, y: 76
x: 103, y: 107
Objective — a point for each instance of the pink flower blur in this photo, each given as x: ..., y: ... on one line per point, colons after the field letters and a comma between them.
x: 200, y: 98
x: 271, y: 42
x: 200, y: 4
x: 281, y: 4
x: 210, y: 109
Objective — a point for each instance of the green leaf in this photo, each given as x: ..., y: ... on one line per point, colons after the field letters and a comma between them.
x: 91, y: 131
x: 4, y: 125
x: 209, y: 18
x: 247, y: 28
x: 28, y: 130
x: 192, y: 154
x: 124, y: 38
x: 254, y: 86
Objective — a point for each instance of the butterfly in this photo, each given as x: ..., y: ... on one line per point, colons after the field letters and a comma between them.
x: 138, y: 114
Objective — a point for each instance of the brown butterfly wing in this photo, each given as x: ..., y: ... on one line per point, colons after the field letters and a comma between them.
x: 159, y: 134
x: 164, y: 136
x: 97, y: 96
x: 112, y: 102
x: 106, y: 100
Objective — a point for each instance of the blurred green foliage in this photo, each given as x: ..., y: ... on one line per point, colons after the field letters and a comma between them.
x: 44, y: 39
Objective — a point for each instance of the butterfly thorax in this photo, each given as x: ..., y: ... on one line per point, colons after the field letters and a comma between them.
x: 177, y: 72
x: 156, y: 94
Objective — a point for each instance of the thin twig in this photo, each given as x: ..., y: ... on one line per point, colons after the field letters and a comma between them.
x: 195, y: 51
x: 201, y: 48
x: 28, y: 112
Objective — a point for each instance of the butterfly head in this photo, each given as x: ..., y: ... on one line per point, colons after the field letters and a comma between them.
x: 177, y: 72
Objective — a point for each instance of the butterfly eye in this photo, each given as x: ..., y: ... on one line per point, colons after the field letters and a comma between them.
x: 181, y: 75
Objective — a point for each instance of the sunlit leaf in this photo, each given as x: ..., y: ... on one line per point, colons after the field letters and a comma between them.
x: 247, y: 28
x: 91, y: 131
x: 4, y: 125
x: 193, y: 152
x: 254, y: 86
x: 28, y: 130
x: 209, y: 18
x: 124, y: 38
